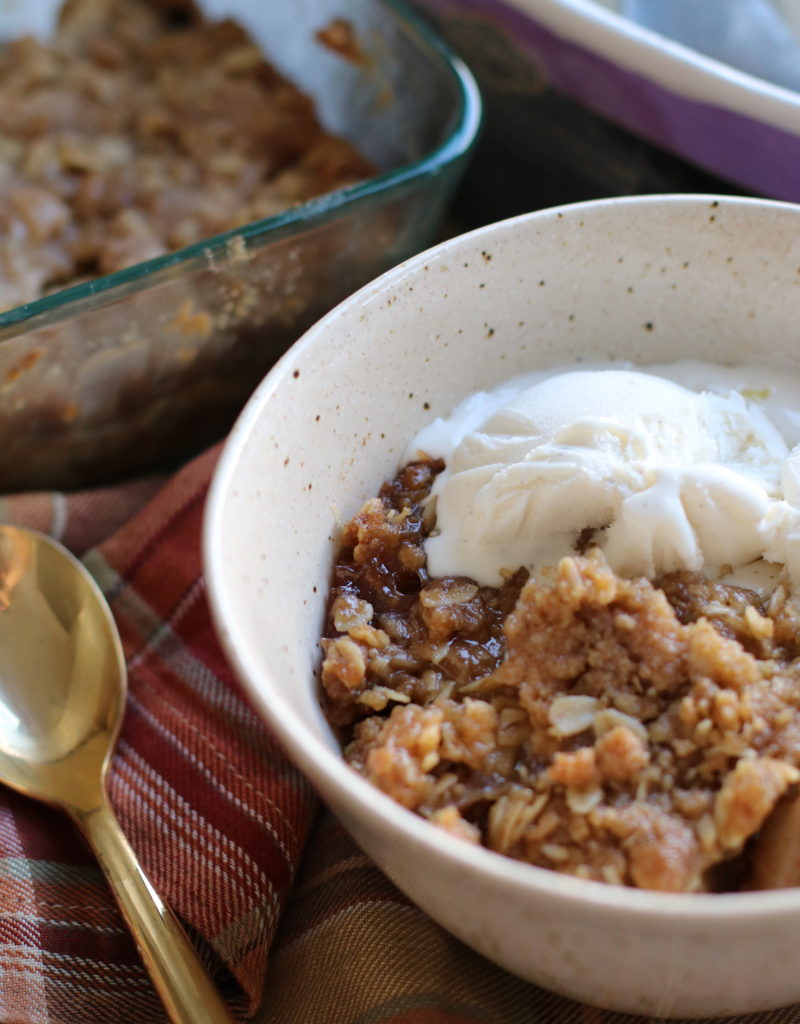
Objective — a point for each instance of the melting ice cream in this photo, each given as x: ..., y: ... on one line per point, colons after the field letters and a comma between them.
x: 679, y: 466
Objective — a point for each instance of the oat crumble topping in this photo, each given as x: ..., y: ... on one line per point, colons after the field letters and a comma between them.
x: 614, y: 729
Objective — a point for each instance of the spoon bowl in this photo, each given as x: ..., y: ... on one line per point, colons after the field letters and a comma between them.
x: 63, y: 685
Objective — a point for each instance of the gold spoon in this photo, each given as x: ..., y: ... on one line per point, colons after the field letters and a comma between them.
x: 62, y: 697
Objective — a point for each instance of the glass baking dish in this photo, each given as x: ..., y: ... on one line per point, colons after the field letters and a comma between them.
x: 138, y: 369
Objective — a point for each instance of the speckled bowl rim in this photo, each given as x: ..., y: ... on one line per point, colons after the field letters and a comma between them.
x: 328, y: 770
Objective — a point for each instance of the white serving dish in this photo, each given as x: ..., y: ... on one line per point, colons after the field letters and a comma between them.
x: 646, y: 279
x: 733, y: 124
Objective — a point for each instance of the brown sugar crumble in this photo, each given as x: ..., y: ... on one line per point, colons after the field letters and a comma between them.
x: 340, y: 37
x: 613, y: 729
x: 140, y: 129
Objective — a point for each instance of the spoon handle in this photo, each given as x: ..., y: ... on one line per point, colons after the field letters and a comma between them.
x: 181, y: 980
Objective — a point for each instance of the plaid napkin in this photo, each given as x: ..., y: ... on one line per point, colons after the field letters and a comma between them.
x: 216, y: 813
x: 220, y: 820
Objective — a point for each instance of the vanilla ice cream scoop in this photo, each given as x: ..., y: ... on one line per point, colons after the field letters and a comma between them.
x: 660, y: 476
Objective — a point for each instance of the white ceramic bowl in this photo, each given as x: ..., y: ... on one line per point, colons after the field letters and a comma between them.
x: 647, y: 279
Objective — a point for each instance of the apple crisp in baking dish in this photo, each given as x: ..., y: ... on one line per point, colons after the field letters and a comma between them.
x: 142, y: 128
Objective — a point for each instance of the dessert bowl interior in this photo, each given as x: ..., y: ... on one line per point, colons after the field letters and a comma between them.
x: 646, y: 279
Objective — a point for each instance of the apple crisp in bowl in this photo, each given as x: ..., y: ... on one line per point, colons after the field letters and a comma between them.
x: 619, y: 730
x: 540, y: 716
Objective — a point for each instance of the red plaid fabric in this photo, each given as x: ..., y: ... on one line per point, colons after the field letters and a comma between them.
x: 216, y: 813
x: 220, y: 820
